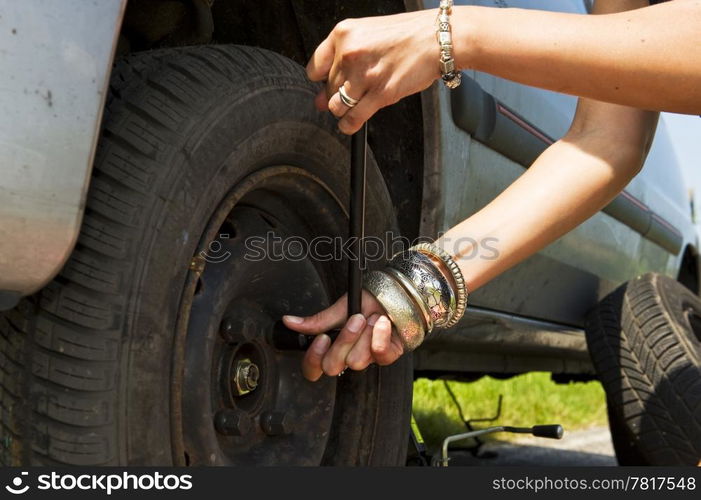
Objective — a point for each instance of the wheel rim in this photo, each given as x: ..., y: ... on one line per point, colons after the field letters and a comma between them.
x: 242, y: 401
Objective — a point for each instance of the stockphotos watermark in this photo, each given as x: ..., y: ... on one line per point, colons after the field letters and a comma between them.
x: 104, y: 483
x: 275, y: 248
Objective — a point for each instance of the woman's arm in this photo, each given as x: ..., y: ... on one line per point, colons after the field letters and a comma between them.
x: 571, y: 181
x: 647, y: 58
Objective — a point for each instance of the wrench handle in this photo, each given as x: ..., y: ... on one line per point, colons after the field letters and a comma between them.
x: 282, y: 337
x: 356, y: 230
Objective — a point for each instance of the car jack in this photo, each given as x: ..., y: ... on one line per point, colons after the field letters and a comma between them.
x: 421, y: 457
x: 475, y: 450
x: 546, y: 431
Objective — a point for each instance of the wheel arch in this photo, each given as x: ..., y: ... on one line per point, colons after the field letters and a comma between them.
x: 689, y: 269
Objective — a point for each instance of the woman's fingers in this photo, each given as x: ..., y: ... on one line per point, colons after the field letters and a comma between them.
x: 334, y: 361
x: 321, y: 102
x: 355, y: 117
x: 320, y: 64
x: 357, y: 346
x: 311, y: 364
x: 383, y: 350
x: 360, y: 355
x: 331, y: 317
x: 359, y: 343
x: 334, y: 79
x: 326, y: 65
x: 336, y: 104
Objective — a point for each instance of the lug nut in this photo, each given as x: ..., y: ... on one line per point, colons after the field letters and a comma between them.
x: 232, y: 423
x: 276, y: 423
x: 228, y: 331
x: 246, y: 376
x: 236, y: 330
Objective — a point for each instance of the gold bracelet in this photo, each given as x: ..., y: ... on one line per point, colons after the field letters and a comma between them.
x: 423, y: 276
x: 401, y: 309
x: 422, y: 288
x: 459, y: 285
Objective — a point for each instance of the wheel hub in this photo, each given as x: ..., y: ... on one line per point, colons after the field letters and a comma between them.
x: 245, y: 377
x: 257, y: 409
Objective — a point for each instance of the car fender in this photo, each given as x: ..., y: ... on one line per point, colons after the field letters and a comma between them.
x: 56, y: 59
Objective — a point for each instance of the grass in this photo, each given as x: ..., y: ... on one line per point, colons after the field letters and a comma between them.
x: 529, y: 399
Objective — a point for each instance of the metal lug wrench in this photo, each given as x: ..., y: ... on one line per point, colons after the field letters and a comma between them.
x: 286, y: 339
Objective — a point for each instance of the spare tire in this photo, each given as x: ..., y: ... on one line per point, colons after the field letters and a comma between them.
x: 645, y: 342
x: 132, y: 355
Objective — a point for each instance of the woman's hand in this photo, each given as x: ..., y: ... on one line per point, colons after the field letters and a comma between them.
x: 378, y: 60
x: 359, y: 343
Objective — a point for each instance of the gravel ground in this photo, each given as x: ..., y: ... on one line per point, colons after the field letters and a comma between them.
x: 585, y: 447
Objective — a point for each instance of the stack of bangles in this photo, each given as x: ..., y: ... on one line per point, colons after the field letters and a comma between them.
x: 421, y: 289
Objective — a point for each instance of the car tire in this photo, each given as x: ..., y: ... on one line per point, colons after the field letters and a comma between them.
x: 645, y: 343
x: 625, y: 447
x: 127, y: 357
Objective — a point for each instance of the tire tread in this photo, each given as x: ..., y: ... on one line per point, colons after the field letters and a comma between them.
x: 635, y: 345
